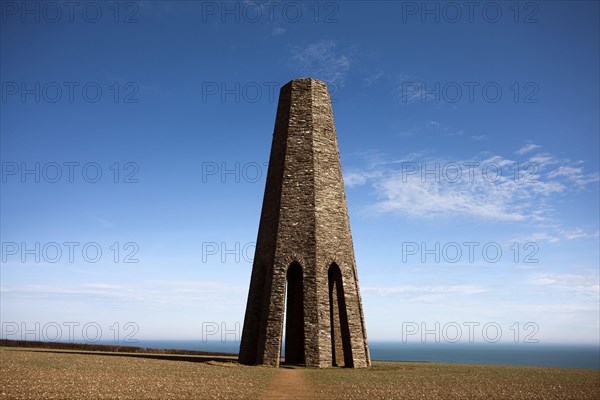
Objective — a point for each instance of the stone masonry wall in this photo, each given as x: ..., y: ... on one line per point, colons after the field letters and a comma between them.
x: 304, y: 219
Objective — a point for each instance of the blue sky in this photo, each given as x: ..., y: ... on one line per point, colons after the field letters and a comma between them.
x: 173, y: 103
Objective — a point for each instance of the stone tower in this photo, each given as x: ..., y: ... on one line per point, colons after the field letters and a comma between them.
x: 304, y: 243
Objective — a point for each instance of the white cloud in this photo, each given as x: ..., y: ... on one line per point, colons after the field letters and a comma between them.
x: 574, y: 174
x: 358, y: 178
x: 580, y: 285
x: 431, y: 199
x: 147, y: 293
x: 537, y: 237
x: 432, y: 289
x: 578, y: 234
x: 477, y: 192
x: 322, y: 60
x: 490, y: 188
x: 436, y: 128
x: 543, y: 160
x: 411, y: 90
x: 527, y: 148
x: 556, y: 235
x: 372, y: 79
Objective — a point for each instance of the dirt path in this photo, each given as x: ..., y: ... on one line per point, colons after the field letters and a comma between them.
x: 289, y: 384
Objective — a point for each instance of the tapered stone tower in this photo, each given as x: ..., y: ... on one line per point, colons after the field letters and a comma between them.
x: 304, y: 244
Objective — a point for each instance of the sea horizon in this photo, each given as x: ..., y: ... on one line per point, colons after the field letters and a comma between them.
x: 502, y: 353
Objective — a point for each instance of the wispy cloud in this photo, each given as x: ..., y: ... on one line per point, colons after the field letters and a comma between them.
x: 437, y: 290
x: 556, y: 235
x: 487, y: 187
x: 478, y: 137
x: 433, y: 124
x: 543, y: 159
x: 581, y: 285
x: 147, y: 293
x: 323, y: 61
x: 527, y: 148
x: 437, y: 128
x: 371, y: 79
x: 357, y: 178
x: 574, y: 174
x: 412, y: 90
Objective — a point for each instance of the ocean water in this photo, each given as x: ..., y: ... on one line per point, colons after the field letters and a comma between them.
x: 534, y: 354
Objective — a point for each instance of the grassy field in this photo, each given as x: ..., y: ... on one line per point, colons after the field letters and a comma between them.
x: 390, y: 380
x: 47, y: 373
x: 59, y: 374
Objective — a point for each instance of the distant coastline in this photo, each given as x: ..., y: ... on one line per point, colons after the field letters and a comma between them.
x: 107, y: 348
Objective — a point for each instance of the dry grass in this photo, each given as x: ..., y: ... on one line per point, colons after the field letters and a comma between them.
x: 43, y: 373
x: 47, y: 374
x: 393, y: 380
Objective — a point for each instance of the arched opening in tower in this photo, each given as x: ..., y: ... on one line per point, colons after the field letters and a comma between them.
x: 341, y: 350
x: 294, y: 322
